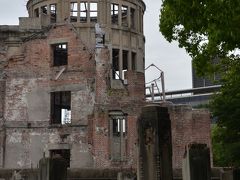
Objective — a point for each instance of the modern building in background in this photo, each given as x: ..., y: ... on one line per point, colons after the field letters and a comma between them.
x: 198, y: 81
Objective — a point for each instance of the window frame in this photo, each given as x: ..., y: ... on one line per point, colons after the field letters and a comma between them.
x: 120, y: 133
x: 74, y: 18
x: 36, y: 13
x: 125, y: 62
x: 114, y: 17
x: 57, y: 104
x: 115, y: 64
x: 60, y: 54
x: 53, y: 13
x: 92, y: 17
x: 124, y: 17
x: 83, y: 19
x: 133, y: 17
x: 134, y: 61
x: 44, y: 9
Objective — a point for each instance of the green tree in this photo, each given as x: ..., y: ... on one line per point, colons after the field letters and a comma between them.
x: 226, y: 106
x: 221, y: 156
x: 207, y: 29
x: 210, y: 30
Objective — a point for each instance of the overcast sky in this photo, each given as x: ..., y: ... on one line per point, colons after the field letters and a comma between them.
x: 174, y: 61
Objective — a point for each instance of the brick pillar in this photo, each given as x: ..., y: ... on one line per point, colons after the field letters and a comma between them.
x: 155, y: 147
x: 136, y: 84
x: 196, y: 162
x: 102, y: 74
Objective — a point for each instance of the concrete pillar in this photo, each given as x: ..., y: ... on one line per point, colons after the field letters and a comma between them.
x: 196, y: 163
x: 155, y: 147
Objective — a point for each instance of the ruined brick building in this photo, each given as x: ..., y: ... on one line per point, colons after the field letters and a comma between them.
x: 70, y: 87
x: 62, y: 95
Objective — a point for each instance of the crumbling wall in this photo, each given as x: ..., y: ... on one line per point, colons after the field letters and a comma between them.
x: 30, y: 80
x: 2, y: 98
x: 25, y: 146
x: 108, y: 100
x: 31, y: 77
x: 188, y: 126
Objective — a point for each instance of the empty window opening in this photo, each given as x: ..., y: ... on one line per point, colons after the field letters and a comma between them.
x: 132, y: 12
x: 115, y: 64
x: 65, y: 116
x: 125, y: 63
x: 83, y: 11
x: 143, y: 63
x: 36, y: 12
x: 93, y: 12
x: 119, y: 125
x: 133, y: 61
x: 44, y: 10
x: 74, y: 12
x: 141, y: 22
x: 60, y: 54
x: 53, y: 13
x: 118, y: 135
x: 114, y: 13
x: 61, y: 107
x: 124, y: 16
x: 64, y: 153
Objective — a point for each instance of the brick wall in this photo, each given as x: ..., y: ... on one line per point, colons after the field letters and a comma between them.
x: 2, y: 97
x: 30, y: 80
x: 188, y: 126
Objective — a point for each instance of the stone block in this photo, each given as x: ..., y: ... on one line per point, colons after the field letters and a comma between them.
x: 155, y: 146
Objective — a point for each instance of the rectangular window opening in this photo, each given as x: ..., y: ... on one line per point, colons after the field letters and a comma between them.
x: 83, y: 11
x: 125, y: 63
x: 74, y: 12
x: 132, y: 11
x: 118, y: 135
x: 124, y: 14
x: 36, y: 12
x: 119, y: 125
x: 53, y: 13
x: 93, y: 12
x: 115, y: 64
x: 64, y: 153
x: 60, y: 54
x: 141, y: 22
x: 114, y: 13
x: 133, y: 61
x: 44, y: 10
x: 61, y: 107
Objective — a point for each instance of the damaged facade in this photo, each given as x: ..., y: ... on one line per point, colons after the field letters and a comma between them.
x: 71, y: 87
x: 62, y: 95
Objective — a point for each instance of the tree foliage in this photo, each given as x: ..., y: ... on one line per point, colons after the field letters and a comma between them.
x: 210, y: 30
x: 226, y: 106
x: 221, y: 155
x: 207, y: 29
